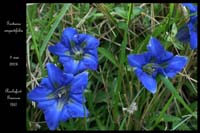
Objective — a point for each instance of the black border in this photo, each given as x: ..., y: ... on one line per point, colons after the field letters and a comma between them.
x: 13, y: 118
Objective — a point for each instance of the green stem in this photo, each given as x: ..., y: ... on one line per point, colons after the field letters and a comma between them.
x: 129, y: 13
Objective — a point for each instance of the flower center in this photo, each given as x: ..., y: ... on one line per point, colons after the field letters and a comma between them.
x: 77, y: 53
x: 150, y: 68
x: 61, y: 95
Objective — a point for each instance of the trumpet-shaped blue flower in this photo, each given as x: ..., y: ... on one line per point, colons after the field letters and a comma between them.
x: 155, y: 61
x: 60, y: 96
x: 188, y: 33
x: 77, y: 52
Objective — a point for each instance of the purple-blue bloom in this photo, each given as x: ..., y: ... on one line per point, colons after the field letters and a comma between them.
x: 188, y: 32
x: 155, y: 61
x: 60, y: 96
x: 77, y: 52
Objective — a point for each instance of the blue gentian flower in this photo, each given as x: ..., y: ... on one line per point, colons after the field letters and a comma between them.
x: 60, y: 96
x: 188, y: 32
x: 77, y: 52
x: 155, y: 61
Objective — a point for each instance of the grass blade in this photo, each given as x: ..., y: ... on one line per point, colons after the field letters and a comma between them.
x: 123, y: 122
x: 55, y: 24
x: 182, y: 122
x: 130, y: 13
x: 162, y: 112
x: 171, y: 88
x: 123, y: 50
x: 34, y: 41
x: 108, y: 55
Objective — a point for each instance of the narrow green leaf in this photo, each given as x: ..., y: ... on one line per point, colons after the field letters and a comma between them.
x: 136, y: 11
x: 180, y: 123
x: 123, y: 47
x: 178, y: 45
x: 129, y: 13
x: 123, y: 122
x: 122, y: 25
x: 170, y: 118
x: 171, y: 88
x: 174, y: 30
x: 162, y: 112
x: 55, y: 24
x: 34, y: 42
x: 159, y: 29
x: 171, y: 9
x: 108, y: 55
x: 121, y: 12
x: 91, y: 106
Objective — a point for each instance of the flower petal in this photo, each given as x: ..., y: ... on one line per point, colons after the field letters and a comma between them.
x: 43, y: 105
x: 67, y: 36
x: 92, y: 52
x: 72, y: 66
x: 155, y: 47
x: 52, y: 116
x: 79, y: 39
x: 193, y: 36
x: 175, y: 65
x: 55, y: 75
x: 79, y: 83
x: 193, y: 40
x: 59, y: 49
x: 90, y: 62
x: 77, y: 110
x: 164, y: 57
x: 183, y: 34
x: 138, y: 60
x: 64, y: 115
x: 78, y: 97
x: 67, y: 78
x: 65, y: 59
x: 39, y: 94
x: 148, y: 81
x: 46, y: 84
x: 91, y: 42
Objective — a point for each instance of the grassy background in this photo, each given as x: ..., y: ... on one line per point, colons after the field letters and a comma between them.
x: 122, y: 29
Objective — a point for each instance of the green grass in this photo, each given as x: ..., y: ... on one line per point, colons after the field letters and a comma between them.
x: 122, y: 29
